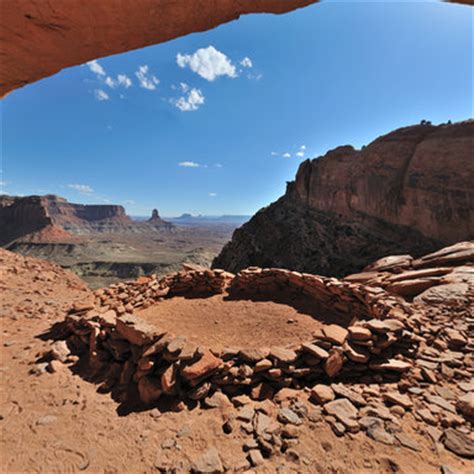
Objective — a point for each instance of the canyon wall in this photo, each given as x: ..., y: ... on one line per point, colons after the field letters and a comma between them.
x: 409, y: 191
x: 55, y: 217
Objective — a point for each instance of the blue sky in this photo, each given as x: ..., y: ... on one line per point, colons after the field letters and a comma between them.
x: 200, y: 131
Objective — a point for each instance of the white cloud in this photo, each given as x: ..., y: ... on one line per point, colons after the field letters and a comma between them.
x: 189, y: 164
x: 145, y: 79
x: 246, y: 62
x: 300, y: 154
x: 192, y: 101
x: 218, y: 165
x: 303, y: 147
x: 274, y: 153
x: 213, y: 194
x: 96, y: 68
x: 81, y: 188
x: 286, y: 155
x: 208, y: 62
x: 124, y: 81
x: 101, y: 95
x: 110, y: 82
x: 184, y: 87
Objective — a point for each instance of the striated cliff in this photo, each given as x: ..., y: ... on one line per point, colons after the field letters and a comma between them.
x: 409, y: 191
x: 53, y: 218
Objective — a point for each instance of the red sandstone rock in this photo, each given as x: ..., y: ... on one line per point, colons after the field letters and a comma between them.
x: 333, y: 364
x: 64, y: 34
x: 400, y: 180
x: 204, y: 366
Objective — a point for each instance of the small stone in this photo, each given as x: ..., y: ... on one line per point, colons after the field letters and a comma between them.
x: 398, y: 399
x: 254, y: 354
x: 168, y: 443
x: 392, y: 364
x: 333, y: 364
x: 217, y: 400
x: 440, y: 402
x: 246, y: 413
x: 427, y: 416
x: 208, y: 463
x: 335, y: 334
x: 359, y: 333
x: 459, y: 443
x: 345, y: 392
x: 283, y: 355
x: 290, y: 431
x: 322, y: 394
x: 407, y: 441
x: 379, y: 434
x: 60, y: 351
x: 386, y: 325
x: 286, y: 415
x: 315, y: 350
x: 255, y: 457
x: 345, y: 412
x: 46, y: 420
x: 465, y: 405
x: 397, y: 410
x: 207, y: 364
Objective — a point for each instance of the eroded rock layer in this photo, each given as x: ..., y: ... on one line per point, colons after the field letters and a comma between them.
x: 52, y: 219
x: 409, y: 191
x: 40, y: 38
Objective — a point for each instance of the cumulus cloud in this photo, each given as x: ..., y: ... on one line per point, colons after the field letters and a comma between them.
x: 189, y: 164
x: 96, y: 68
x: 124, y: 81
x: 213, y: 194
x: 286, y: 155
x: 208, y: 62
x: 81, y: 188
x: 101, y: 95
x: 146, y: 79
x: 301, y: 151
x: 191, y: 101
x: 246, y: 62
x: 274, y: 153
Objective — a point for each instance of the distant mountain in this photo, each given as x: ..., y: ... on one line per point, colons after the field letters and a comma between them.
x: 189, y: 219
x: 53, y: 218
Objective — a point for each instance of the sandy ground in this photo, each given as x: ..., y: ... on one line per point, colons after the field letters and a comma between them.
x: 219, y: 322
x: 59, y: 423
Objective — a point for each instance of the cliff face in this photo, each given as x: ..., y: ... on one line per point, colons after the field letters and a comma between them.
x: 21, y: 216
x: 407, y: 192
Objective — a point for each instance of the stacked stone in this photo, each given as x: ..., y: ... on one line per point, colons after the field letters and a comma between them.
x: 330, y: 294
x: 145, y: 291
x: 197, y: 282
x: 127, y: 296
x: 130, y: 350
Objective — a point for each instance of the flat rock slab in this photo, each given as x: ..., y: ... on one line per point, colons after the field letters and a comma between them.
x: 458, y: 443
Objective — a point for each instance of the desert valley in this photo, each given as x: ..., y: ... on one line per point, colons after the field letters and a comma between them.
x: 330, y: 332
